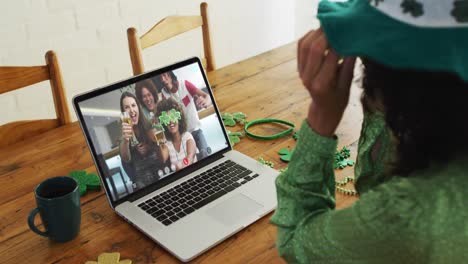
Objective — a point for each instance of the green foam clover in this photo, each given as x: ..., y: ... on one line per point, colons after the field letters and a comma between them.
x: 341, y: 158
x: 86, y: 181
x: 286, y: 154
x: 234, y: 137
x: 234, y: 118
x: 239, y: 117
x: 167, y: 117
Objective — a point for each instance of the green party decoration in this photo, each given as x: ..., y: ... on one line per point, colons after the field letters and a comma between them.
x: 339, y: 184
x: 286, y: 154
x: 266, y: 162
x: 86, y: 181
x: 167, y: 117
x: 234, y: 118
x: 234, y: 137
x: 341, y: 158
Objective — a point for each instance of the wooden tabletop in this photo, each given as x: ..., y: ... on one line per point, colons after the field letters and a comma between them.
x: 263, y: 86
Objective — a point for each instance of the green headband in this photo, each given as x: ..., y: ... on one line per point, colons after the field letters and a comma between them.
x: 167, y: 117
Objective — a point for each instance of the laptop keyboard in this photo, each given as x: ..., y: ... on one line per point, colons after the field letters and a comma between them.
x: 189, y: 196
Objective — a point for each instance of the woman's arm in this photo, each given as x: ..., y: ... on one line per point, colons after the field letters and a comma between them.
x: 311, y: 231
x: 164, y: 152
x: 191, y: 149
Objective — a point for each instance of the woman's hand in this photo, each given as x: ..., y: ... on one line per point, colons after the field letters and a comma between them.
x: 327, y: 81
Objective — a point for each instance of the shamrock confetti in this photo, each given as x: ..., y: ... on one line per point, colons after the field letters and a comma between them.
x: 341, y: 158
x: 232, y: 119
x: 460, y: 10
x: 413, y: 7
x: 110, y: 258
x: 266, y: 162
x: 285, y: 154
x: 86, y: 181
x: 234, y: 137
x: 171, y: 116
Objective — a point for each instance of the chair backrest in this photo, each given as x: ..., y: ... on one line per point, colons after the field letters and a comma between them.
x: 167, y: 28
x: 13, y: 78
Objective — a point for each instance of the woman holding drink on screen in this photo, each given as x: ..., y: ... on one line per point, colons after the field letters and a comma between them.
x: 138, y: 146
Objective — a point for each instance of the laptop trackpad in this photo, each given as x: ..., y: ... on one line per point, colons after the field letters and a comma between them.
x: 234, y: 209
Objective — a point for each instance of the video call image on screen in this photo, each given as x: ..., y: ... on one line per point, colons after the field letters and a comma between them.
x: 146, y: 131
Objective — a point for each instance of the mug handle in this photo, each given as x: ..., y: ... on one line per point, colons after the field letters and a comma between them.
x: 32, y: 214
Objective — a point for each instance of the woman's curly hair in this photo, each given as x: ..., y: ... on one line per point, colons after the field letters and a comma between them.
x: 167, y: 105
x: 426, y: 111
x: 148, y: 84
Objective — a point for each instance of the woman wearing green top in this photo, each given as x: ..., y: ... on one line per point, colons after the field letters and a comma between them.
x: 412, y: 166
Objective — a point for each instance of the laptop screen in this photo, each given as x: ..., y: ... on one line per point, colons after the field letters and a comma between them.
x: 146, y: 130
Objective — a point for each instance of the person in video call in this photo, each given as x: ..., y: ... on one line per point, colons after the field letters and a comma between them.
x: 180, y: 143
x: 137, y: 147
x: 412, y: 164
x: 147, y: 95
x: 188, y: 95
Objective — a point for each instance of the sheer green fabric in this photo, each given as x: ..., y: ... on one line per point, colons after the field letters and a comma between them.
x: 419, y: 219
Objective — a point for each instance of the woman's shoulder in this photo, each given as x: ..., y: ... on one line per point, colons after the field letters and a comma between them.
x: 186, y: 136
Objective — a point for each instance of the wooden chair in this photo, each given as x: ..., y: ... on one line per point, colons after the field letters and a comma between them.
x: 167, y: 28
x: 13, y: 78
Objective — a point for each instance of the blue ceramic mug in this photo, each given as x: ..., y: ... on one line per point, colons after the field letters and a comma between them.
x: 58, y: 203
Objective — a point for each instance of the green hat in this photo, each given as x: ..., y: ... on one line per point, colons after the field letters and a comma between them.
x: 427, y: 35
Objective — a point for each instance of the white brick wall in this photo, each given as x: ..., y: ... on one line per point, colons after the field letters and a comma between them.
x: 89, y: 37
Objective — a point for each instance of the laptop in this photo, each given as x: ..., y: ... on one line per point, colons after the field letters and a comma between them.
x: 170, y: 170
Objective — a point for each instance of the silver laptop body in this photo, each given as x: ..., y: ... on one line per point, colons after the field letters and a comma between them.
x: 232, y: 190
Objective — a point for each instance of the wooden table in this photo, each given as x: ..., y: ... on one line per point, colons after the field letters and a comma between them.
x: 263, y: 86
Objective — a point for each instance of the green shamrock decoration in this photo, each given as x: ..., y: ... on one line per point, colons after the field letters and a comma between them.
x: 413, y: 7
x: 460, y: 10
x: 266, y: 162
x: 170, y: 116
x: 283, y: 170
x: 232, y: 119
x: 341, y: 158
x: 285, y: 154
x: 234, y: 137
x: 86, y: 181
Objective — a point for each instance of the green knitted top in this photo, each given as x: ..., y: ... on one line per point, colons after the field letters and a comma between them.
x: 418, y: 219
